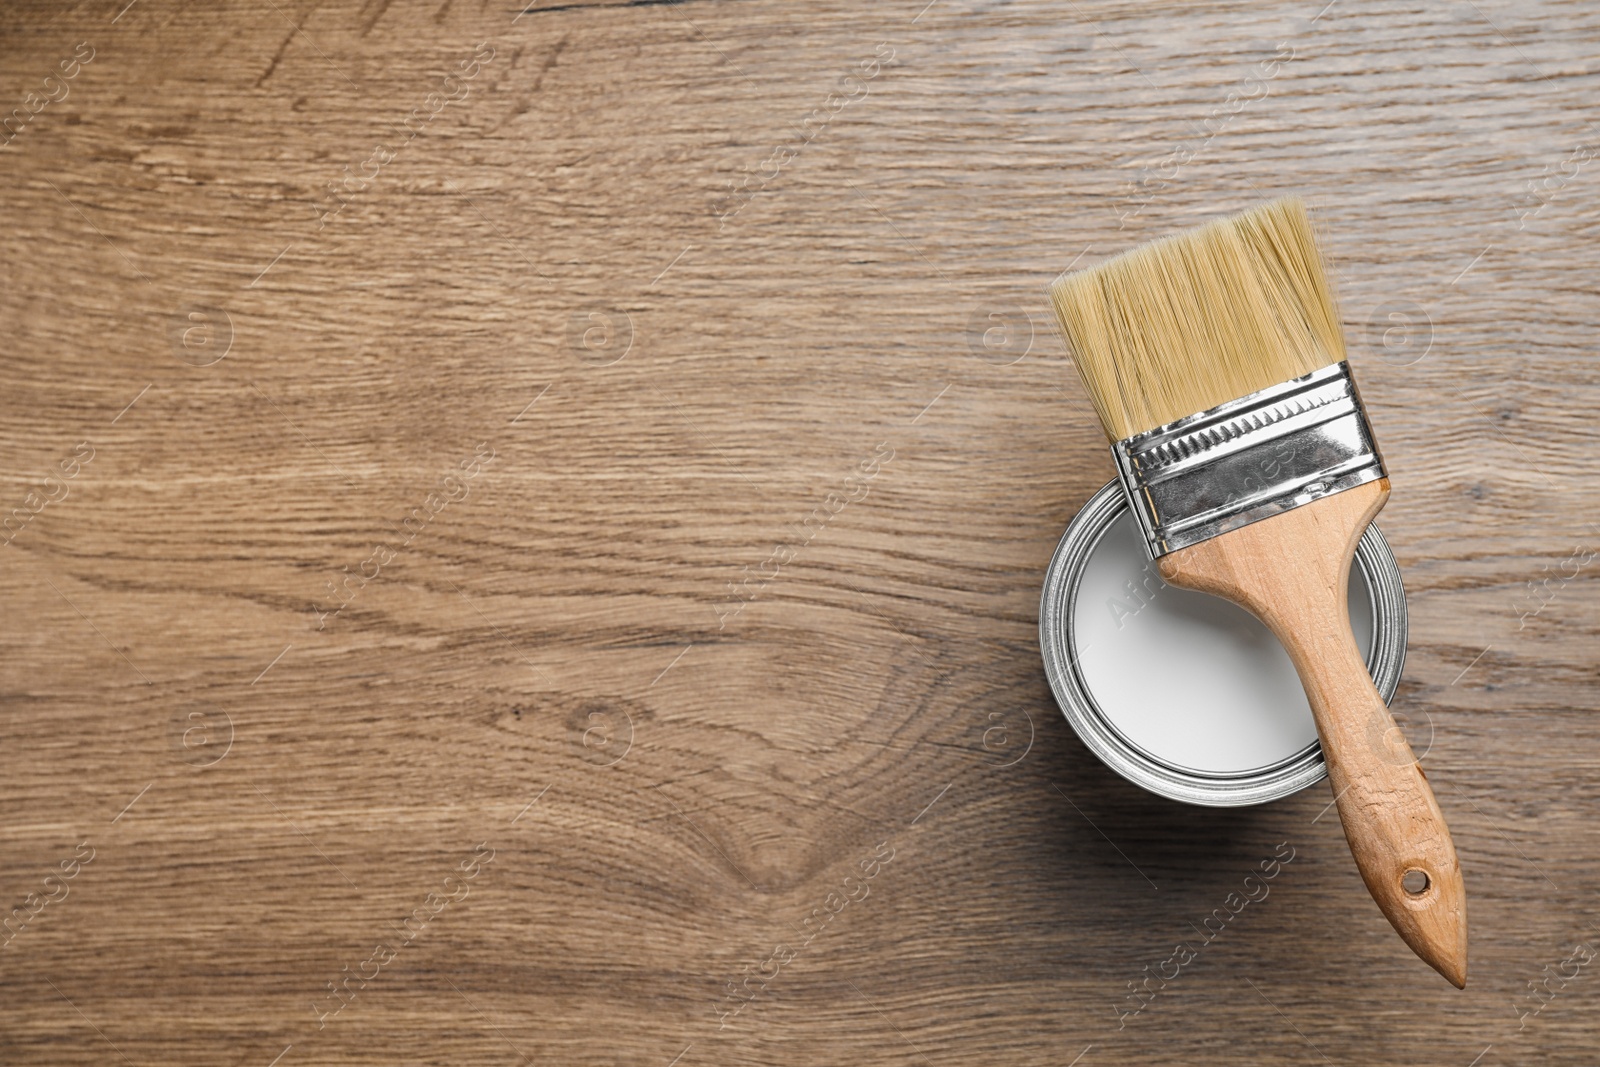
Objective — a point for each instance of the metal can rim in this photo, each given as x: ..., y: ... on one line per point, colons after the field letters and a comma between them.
x: 1057, y: 612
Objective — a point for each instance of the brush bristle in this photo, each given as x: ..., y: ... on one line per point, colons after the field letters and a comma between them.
x: 1200, y: 318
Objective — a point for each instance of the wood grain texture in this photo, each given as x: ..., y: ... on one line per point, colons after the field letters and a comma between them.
x: 1292, y: 571
x: 725, y: 649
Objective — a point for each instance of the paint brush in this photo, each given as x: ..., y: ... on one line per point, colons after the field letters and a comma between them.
x: 1216, y: 362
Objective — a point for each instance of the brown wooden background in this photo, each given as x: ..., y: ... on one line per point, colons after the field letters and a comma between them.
x: 550, y: 663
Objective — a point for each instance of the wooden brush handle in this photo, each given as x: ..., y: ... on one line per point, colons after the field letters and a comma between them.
x: 1291, y: 571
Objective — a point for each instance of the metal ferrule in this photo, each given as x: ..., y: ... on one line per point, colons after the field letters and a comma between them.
x: 1248, y: 459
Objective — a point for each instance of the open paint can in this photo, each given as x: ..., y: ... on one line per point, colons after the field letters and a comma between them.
x: 1184, y: 693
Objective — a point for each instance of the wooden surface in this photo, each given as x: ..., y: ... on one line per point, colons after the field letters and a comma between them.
x: 1292, y: 571
x: 698, y: 716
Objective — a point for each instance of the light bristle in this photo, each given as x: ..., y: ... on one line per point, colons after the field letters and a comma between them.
x: 1201, y: 318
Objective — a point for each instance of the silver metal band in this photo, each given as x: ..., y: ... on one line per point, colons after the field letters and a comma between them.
x: 1248, y: 459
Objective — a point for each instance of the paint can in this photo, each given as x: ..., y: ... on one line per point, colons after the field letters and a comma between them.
x: 1183, y: 693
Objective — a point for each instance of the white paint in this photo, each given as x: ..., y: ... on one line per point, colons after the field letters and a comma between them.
x: 1188, y: 677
